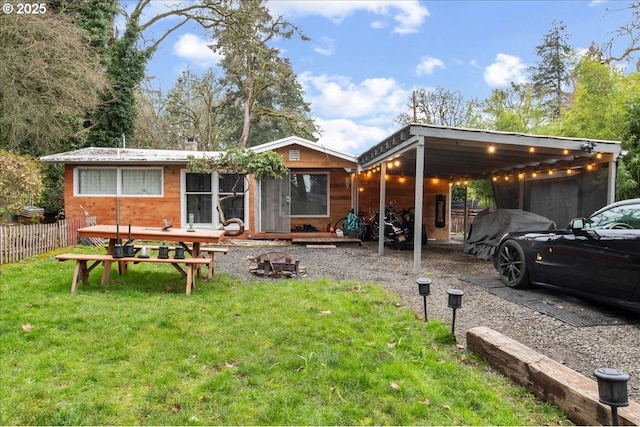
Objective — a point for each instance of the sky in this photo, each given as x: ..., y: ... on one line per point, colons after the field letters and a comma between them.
x: 365, y: 58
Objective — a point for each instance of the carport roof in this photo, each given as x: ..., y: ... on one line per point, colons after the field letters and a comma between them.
x: 459, y: 153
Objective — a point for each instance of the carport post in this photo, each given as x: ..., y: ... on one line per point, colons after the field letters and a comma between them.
x: 381, y: 212
x: 611, y: 188
x: 417, y: 230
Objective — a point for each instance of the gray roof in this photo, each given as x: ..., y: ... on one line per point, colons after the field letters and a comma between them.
x: 100, y: 155
x: 455, y: 153
x: 449, y: 152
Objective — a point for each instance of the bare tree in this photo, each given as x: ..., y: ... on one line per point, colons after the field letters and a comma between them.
x: 629, y: 31
x: 441, y: 107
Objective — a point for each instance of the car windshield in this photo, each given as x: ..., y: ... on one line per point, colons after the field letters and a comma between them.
x: 625, y: 216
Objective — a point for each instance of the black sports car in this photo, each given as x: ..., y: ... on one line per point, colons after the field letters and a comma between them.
x: 597, y: 258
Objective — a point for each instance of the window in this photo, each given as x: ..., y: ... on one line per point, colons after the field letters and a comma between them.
x: 201, y: 192
x: 199, y: 197
x: 617, y: 218
x: 141, y: 182
x: 119, y: 181
x: 309, y: 194
x: 96, y: 181
x: 229, y: 185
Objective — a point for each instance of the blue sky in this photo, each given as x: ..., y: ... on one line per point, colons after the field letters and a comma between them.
x: 365, y: 58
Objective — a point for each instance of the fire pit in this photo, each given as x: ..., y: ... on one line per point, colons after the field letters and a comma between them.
x: 276, y: 264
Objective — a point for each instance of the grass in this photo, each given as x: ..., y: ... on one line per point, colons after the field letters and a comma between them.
x: 276, y: 352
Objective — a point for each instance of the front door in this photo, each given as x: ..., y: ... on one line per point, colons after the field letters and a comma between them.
x: 275, y: 205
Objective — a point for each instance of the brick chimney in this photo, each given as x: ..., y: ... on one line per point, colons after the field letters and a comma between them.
x: 190, y: 144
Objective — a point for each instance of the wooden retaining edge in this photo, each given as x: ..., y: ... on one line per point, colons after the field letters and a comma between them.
x: 549, y: 380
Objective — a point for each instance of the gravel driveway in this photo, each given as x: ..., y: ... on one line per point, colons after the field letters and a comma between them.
x: 578, y: 334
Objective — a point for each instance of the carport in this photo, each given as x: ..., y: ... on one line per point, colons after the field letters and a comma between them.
x: 529, y: 169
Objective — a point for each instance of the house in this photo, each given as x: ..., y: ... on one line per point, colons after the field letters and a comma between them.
x: 141, y: 187
x: 557, y: 177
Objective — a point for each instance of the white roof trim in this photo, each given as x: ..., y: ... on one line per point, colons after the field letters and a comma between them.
x: 284, y: 142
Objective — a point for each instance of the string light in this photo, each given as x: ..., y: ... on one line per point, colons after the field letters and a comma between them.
x: 491, y: 149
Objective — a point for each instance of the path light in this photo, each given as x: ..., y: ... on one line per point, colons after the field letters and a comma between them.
x: 612, y: 389
x: 455, y: 302
x: 424, y: 289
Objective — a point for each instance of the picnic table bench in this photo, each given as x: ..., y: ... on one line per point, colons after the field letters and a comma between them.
x: 209, y: 251
x: 82, y: 268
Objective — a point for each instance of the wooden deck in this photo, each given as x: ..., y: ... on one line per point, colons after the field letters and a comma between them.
x: 307, y: 238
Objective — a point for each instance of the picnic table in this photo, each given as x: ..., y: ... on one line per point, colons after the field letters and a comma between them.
x: 190, y: 240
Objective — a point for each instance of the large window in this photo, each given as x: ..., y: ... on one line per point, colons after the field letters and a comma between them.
x: 141, y: 182
x: 199, y: 195
x: 203, y: 190
x: 119, y: 181
x: 96, y: 181
x: 309, y: 194
x: 230, y: 185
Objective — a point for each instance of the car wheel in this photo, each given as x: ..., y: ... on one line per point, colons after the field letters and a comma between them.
x: 512, y: 265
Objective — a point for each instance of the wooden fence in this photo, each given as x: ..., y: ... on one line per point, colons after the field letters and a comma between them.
x: 18, y: 242
x: 457, y: 219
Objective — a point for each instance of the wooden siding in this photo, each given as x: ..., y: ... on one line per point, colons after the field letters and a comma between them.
x: 339, y: 194
x: 148, y: 211
x: 402, y: 190
x: 143, y: 211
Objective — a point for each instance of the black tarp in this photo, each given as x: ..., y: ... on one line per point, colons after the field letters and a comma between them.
x: 491, y: 224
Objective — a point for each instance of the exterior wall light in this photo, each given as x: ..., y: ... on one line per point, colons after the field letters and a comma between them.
x: 424, y: 289
x: 455, y: 302
x: 612, y: 390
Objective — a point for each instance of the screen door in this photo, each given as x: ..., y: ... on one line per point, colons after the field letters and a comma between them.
x: 275, y: 205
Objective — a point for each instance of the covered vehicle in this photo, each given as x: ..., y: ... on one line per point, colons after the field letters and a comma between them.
x: 596, y: 258
x: 491, y: 224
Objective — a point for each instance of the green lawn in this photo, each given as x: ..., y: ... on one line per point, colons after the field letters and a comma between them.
x: 277, y: 352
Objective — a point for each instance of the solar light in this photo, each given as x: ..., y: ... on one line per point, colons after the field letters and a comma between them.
x: 179, y: 253
x: 163, y: 251
x: 128, y: 247
x: 424, y: 289
x: 117, y: 247
x: 612, y: 390
x: 455, y: 302
x: 117, y: 251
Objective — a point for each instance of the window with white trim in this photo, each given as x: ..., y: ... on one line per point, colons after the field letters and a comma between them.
x: 309, y: 194
x: 139, y: 182
x: 202, y: 191
x: 98, y: 182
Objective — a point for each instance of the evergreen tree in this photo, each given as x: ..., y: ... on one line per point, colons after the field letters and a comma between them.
x: 551, y: 75
x: 257, y: 79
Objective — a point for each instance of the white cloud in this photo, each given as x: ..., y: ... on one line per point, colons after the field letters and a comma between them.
x: 504, y: 70
x: 325, y: 47
x: 428, y: 65
x: 196, y: 50
x: 350, y: 137
x: 338, y: 96
x: 337, y: 103
x: 409, y: 15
